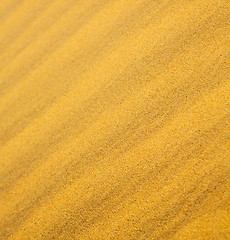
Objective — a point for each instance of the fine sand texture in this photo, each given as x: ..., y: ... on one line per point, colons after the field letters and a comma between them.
x: 115, y: 119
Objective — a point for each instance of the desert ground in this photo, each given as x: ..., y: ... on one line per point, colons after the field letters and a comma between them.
x: 115, y: 119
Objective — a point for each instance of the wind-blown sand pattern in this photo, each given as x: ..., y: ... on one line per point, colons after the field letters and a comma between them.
x: 114, y: 119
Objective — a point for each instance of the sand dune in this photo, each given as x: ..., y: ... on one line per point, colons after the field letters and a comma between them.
x: 114, y: 119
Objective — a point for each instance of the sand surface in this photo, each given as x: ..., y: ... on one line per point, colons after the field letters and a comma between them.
x: 114, y: 119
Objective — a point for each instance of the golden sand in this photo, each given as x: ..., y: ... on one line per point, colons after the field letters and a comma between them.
x: 114, y: 119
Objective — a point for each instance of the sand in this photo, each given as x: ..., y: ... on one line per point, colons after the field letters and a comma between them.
x: 114, y: 119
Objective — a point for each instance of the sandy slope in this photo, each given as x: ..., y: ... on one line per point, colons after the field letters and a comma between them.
x: 114, y: 119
